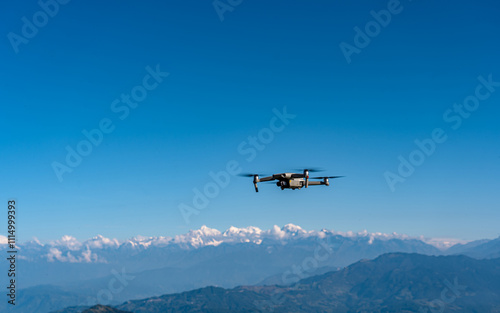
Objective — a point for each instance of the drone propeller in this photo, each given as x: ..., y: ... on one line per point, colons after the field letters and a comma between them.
x: 310, y: 169
x: 255, y: 179
x: 250, y: 175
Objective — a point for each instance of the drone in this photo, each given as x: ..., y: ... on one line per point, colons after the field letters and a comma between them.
x: 292, y: 180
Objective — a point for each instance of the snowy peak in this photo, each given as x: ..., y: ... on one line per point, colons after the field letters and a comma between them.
x: 241, y: 232
x: 205, y: 236
x: 207, y: 231
x: 67, y: 242
x: 101, y: 242
x: 291, y: 228
x: 294, y: 231
x: 145, y: 242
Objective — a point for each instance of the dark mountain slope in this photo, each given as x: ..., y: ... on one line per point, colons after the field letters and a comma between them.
x: 390, y: 283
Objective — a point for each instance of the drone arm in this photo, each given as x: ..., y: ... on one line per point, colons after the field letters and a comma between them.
x: 269, y: 178
x: 325, y: 181
x: 263, y: 179
x: 315, y: 183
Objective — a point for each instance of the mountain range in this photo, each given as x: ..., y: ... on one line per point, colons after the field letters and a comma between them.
x: 68, y: 272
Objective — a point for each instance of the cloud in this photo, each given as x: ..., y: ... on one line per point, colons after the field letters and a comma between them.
x: 55, y: 254
x: 86, y: 256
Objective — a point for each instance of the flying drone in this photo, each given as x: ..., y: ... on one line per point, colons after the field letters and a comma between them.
x: 292, y: 180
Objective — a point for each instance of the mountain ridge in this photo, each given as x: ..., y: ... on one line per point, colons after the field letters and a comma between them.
x: 392, y: 282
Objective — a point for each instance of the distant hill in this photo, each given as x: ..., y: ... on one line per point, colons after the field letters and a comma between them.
x: 95, y: 309
x: 390, y: 283
x: 480, y: 249
x: 103, y: 309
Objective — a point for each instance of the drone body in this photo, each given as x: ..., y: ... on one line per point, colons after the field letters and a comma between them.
x: 292, y: 180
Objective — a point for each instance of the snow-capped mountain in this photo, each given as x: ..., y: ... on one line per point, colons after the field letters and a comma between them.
x: 98, y: 248
x: 206, y: 236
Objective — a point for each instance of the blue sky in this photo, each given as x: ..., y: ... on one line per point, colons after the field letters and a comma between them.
x: 225, y: 78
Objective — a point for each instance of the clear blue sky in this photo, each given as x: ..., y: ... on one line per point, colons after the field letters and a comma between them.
x: 225, y: 78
